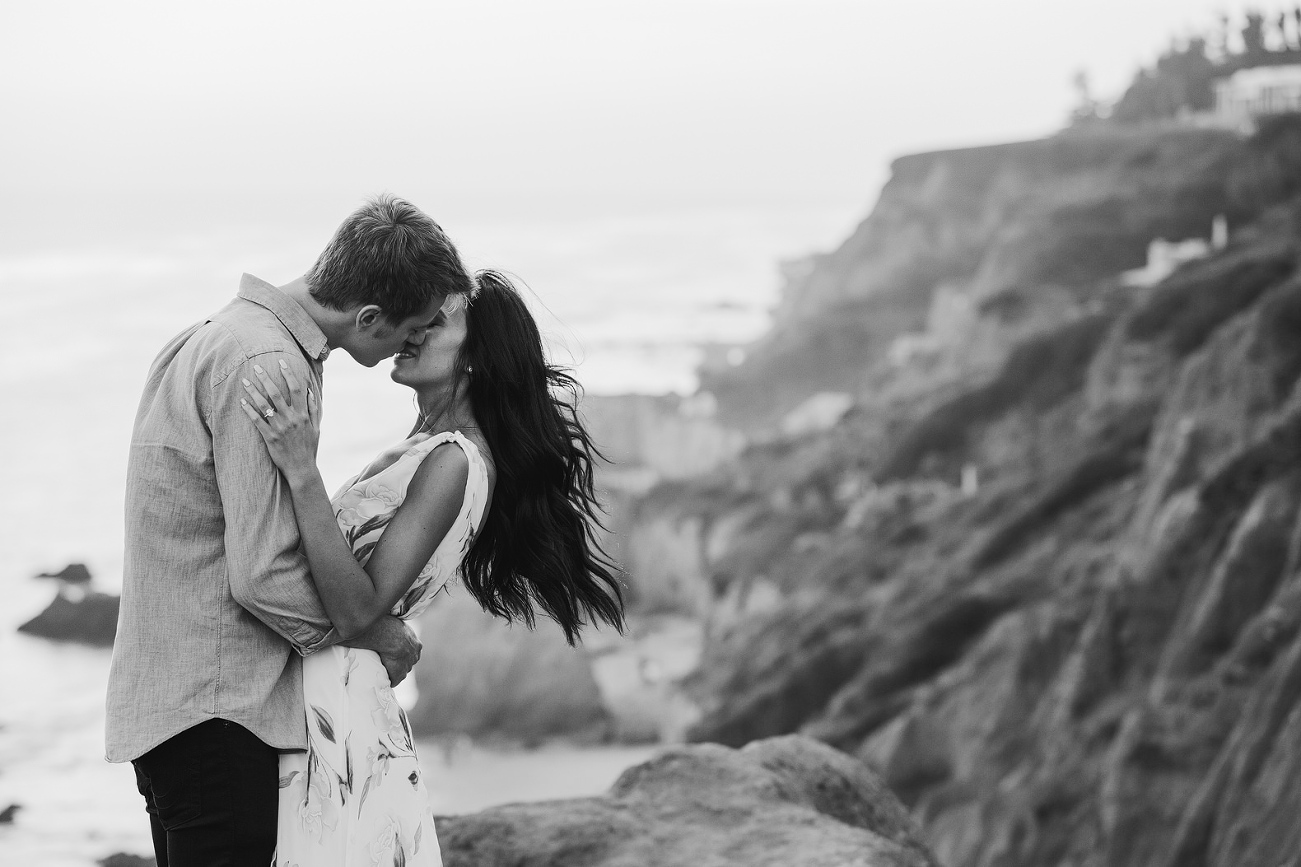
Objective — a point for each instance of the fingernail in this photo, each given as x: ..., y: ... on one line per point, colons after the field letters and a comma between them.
x: 246, y: 382
x: 243, y: 401
x: 283, y: 364
x: 258, y: 368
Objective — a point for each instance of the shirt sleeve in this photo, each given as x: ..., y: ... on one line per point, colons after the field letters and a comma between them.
x: 268, y: 572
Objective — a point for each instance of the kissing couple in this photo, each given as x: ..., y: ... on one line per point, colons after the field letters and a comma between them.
x: 262, y: 623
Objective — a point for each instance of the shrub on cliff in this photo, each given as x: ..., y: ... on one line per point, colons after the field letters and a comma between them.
x: 1269, y: 171
x: 1182, y: 80
x: 1186, y: 308
x: 1039, y: 372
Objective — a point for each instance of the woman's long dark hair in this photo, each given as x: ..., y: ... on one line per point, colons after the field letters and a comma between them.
x: 537, y: 544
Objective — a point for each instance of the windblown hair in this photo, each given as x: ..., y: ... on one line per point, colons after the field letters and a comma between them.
x: 537, y: 545
x: 390, y: 253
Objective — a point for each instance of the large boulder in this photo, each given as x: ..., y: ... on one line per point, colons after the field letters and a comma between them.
x: 783, y: 801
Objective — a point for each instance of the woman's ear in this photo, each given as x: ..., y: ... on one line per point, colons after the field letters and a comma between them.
x: 367, y: 316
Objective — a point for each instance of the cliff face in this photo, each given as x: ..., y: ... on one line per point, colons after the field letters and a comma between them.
x: 1045, y: 578
x: 663, y: 435
x: 1021, y: 229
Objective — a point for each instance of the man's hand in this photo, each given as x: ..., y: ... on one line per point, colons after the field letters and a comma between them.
x: 396, y: 644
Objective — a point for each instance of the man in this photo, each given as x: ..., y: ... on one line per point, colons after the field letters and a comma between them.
x: 217, y: 602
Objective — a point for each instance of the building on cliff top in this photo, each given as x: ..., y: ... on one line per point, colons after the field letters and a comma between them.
x: 1246, y: 96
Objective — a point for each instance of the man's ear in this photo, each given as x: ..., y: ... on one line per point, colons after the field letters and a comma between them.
x: 367, y: 316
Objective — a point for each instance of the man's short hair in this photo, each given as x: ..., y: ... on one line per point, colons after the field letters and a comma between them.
x: 391, y: 254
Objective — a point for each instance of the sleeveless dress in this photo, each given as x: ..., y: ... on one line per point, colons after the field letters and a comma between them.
x: 356, y: 797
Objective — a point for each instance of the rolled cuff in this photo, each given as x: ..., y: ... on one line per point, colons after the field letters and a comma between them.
x: 308, y: 639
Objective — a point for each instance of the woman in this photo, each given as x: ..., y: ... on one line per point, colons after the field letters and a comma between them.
x: 494, y: 485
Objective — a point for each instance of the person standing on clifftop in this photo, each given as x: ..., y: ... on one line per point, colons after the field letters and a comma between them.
x: 217, y: 606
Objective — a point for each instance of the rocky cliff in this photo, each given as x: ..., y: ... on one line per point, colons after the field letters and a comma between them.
x: 1045, y: 575
x: 1021, y: 231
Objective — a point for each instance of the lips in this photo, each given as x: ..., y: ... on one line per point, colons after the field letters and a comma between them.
x: 407, y: 351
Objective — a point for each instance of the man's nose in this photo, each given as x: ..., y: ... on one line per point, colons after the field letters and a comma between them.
x: 418, y: 336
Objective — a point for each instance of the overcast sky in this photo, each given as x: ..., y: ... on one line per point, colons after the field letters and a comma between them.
x: 537, y: 103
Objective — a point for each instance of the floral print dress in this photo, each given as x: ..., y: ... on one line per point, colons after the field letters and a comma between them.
x: 356, y: 797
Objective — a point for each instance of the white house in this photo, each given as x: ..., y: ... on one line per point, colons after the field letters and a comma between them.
x: 1163, y: 256
x: 1250, y: 94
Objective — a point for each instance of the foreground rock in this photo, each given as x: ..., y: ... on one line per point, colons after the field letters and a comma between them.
x: 787, y: 801
x: 89, y: 618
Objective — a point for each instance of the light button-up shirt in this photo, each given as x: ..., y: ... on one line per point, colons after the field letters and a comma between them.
x: 217, y: 603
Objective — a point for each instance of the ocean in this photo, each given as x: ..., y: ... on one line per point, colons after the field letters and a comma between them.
x: 626, y: 298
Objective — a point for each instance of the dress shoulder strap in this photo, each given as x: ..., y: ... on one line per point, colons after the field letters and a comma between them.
x: 476, y: 485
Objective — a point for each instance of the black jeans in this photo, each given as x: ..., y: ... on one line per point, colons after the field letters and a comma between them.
x: 211, y: 793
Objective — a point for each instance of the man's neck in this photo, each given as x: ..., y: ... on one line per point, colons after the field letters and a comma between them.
x: 331, y: 322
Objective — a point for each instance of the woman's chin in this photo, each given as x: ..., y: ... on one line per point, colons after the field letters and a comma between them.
x: 402, y: 376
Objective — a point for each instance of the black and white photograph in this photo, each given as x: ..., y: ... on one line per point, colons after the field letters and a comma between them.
x: 726, y: 433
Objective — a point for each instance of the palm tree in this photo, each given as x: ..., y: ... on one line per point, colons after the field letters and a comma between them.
x: 1253, y: 35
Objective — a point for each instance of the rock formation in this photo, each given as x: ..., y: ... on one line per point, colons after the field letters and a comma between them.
x: 122, y: 859
x: 780, y: 802
x: 1020, y: 231
x: 73, y: 573
x: 87, y: 617
x: 1092, y: 656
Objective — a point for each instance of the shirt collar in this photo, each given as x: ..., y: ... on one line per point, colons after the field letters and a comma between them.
x: 308, y: 334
